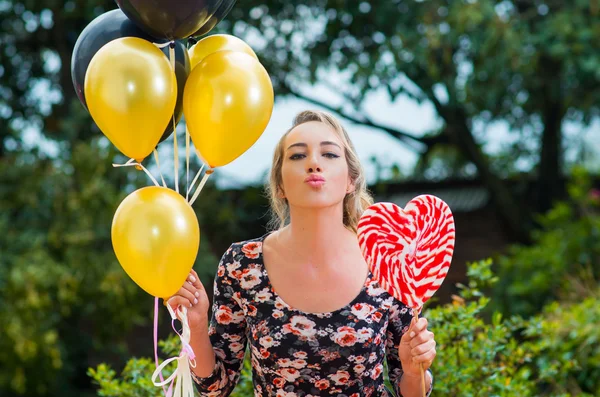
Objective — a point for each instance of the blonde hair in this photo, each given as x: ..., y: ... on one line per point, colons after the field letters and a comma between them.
x: 355, y: 202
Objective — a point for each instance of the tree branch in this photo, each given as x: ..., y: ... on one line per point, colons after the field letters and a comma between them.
x: 418, y: 144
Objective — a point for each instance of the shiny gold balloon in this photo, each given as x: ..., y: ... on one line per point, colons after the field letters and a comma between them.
x: 155, y: 235
x: 218, y: 42
x: 227, y: 103
x: 131, y: 91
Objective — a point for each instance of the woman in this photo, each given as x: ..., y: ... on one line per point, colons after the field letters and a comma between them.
x: 302, y: 296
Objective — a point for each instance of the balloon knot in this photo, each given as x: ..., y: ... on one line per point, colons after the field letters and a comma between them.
x: 208, y: 172
x: 192, y: 41
x: 138, y: 167
x: 172, y: 44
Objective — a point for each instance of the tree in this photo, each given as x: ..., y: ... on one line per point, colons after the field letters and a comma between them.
x: 532, y: 64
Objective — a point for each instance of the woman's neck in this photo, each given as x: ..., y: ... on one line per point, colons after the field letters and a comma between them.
x: 317, y: 235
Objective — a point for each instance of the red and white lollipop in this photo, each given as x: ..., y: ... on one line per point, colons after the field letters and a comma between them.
x: 408, y: 250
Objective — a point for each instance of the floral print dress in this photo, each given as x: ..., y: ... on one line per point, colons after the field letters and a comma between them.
x: 294, y: 353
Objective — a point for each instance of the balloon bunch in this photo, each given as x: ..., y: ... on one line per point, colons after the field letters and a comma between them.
x: 136, y: 78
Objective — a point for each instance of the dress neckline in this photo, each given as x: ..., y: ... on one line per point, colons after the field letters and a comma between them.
x: 265, y: 272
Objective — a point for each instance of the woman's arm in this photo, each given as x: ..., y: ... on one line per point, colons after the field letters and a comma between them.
x: 406, y: 382
x: 219, y: 344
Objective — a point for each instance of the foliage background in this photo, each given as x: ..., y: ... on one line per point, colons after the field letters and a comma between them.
x: 66, y: 307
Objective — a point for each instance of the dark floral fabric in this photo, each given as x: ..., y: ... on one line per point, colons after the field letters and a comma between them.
x: 294, y: 353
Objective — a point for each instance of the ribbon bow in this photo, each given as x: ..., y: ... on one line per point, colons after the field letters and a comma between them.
x: 182, y: 377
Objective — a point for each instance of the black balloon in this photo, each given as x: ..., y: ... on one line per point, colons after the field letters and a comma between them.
x: 169, y: 19
x: 221, y: 13
x: 113, y: 25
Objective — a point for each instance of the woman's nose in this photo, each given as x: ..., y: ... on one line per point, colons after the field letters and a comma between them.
x: 313, y: 165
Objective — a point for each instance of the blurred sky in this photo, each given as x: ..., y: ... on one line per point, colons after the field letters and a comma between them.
x: 405, y: 114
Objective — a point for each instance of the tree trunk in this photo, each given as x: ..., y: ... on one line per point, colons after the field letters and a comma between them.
x: 508, y: 207
x: 550, y: 185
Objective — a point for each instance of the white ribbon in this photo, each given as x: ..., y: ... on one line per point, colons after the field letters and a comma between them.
x: 182, y: 377
x: 132, y: 163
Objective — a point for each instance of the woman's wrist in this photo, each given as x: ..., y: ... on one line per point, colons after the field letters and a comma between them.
x: 410, y: 384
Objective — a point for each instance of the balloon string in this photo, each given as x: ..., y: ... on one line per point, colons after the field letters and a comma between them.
x: 195, y: 179
x: 132, y: 163
x: 201, y: 185
x: 175, y: 149
x: 182, y: 377
x: 162, y: 45
x: 162, y: 379
x: 187, y: 163
x: 159, y: 171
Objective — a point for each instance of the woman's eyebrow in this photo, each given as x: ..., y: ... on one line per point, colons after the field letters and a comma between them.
x: 304, y: 145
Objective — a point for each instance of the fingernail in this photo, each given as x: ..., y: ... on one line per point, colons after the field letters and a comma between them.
x: 190, y: 305
x: 412, y: 334
x: 195, y: 301
x: 192, y: 279
x: 197, y: 294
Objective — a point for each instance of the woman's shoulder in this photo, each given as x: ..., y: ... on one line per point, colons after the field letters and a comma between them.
x: 246, y: 250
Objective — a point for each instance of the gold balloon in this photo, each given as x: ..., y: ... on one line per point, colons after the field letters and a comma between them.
x: 227, y: 103
x: 218, y: 42
x: 131, y: 91
x: 155, y: 235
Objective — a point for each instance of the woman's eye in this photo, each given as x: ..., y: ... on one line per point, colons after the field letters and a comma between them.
x: 331, y: 155
x: 296, y: 156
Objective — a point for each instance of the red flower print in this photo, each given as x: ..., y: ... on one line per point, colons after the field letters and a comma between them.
x: 264, y: 353
x: 364, y: 334
x: 289, y: 374
x: 345, y: 336
x: 322, y: 384
x: 279, y: 382
x: 340, y: 377
x: 251, y: 250
x: 224, y: 315
x: 252, y: 310
x: 378, y: 370
x: 299, y: 364
x: 377, y: 316
x: 263, y: 295
x: 362, y: 310
x: 300, y: 326
x: 359, y: 369
x: 267, y: 341
x: 250, y: 278
x: 235, y: 347
x: 300, y: 355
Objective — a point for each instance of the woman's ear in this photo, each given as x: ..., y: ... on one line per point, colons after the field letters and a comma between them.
x: 350, y: 188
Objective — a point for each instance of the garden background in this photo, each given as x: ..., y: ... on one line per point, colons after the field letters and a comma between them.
x: 494, y: 106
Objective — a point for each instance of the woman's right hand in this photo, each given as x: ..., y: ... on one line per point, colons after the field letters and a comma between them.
x: 192, y: 296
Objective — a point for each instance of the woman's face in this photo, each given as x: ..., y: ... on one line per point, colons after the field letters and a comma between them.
x: 314, y: 169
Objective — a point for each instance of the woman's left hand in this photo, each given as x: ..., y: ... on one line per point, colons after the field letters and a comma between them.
x: 417, y: 347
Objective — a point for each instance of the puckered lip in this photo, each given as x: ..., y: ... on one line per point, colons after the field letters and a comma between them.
x: 314, y: 178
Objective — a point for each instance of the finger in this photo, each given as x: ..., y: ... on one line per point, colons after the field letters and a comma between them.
x: 406, y: 335
x: 191, y: 289
x: 418, y: 326
x: 426, y: 358
x: 195, y: 280
x: 177, y: 301
x: 423, y: 348
x: 421, y: 338
x: 190, y: 296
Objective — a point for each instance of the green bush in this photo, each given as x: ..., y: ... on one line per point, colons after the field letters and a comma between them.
x: 564, y: 255
x: 554, y: 354
x: 565, y: 345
